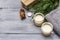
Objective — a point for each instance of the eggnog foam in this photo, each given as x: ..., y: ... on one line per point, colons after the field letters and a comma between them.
x: 39, y: 18
x: 46, y: 28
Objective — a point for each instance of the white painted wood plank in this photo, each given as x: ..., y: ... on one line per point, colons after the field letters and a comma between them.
x: 9, y: 14
x: 10, y: 4
x: 10, y: 22
x: 18, y: 27
x: 27, y: 37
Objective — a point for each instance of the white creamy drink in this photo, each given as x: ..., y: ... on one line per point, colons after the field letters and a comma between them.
x: 38, y: 19
x: 46, y: 29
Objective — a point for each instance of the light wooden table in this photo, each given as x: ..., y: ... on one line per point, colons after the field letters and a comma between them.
x: 12, y: 28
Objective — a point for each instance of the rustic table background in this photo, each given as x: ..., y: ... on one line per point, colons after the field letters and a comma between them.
x: 12, y: 28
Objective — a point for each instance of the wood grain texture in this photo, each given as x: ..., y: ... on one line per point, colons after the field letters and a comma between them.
x: 10, y: 19
x: 12, y: 28
x: 27, y: 37
x: 11, y: 4
x: 10, y: 22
